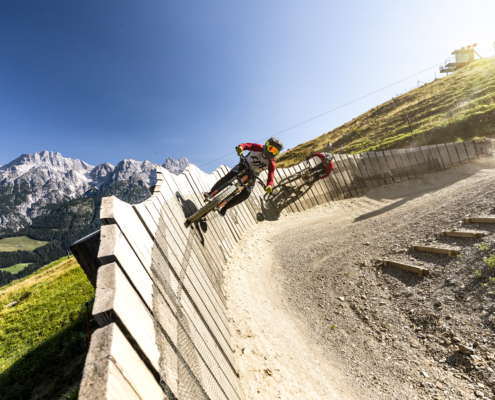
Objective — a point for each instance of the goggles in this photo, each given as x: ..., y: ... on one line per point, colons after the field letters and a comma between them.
x: 272, y: 149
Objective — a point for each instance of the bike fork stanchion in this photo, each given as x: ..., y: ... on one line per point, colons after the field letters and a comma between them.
x: 87, y: 317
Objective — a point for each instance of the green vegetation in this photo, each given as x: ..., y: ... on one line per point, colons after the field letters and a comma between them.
x: 482, y: 247
x: 490, y: 261
x: 20, y: 243
x: 59, y: 224
x: 43, y: 339
x: 72, y: 394
x: 458, y: 107
x: 16, y: 268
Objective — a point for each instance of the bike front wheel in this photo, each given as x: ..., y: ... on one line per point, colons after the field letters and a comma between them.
x: 310, y: 178
x: 216, y: 201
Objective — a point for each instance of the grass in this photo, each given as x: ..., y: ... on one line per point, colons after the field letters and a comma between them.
x: 43, y: 340
x: 20, y: 243
x: 15, y: 268
x: 482, y: 247
x: 455, y: 108
x: 490, y: 261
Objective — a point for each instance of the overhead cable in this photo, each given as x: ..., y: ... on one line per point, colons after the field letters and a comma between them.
x: 327, y: 112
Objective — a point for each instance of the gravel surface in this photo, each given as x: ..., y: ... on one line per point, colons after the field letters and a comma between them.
x: 315, y: 314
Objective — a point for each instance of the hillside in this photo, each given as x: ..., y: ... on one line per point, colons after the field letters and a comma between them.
x: 20, y: 243
x: 49, y: 199
x: 31, y: 183
x: 460, y: 106
x: 42, y: 325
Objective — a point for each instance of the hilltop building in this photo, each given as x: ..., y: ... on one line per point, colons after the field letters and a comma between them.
x: 461, y: 58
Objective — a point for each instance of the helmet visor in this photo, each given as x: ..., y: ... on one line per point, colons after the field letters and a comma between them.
x: 271, y: 149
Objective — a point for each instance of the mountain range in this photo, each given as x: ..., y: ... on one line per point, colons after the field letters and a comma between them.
x: 54, y: 199
x: 33, y: 182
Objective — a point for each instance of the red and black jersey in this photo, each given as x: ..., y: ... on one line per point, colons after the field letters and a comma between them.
x: 328, y: 168
x: 257, y: 162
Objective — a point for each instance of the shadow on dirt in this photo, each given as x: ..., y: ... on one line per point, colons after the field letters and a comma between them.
x: 416, y: 187
x: 288, y: 194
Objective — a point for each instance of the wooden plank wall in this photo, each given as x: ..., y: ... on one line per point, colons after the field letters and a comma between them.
x: 160, y: 298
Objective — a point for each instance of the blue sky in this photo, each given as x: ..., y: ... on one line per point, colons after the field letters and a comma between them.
x: 106, y: 80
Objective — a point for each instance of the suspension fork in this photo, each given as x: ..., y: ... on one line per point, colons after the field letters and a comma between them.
x: 228, y: 183
x: 240, y: 187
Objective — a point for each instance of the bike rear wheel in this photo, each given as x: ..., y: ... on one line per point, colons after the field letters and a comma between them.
x: 214, y: 202
x: 310, y: 178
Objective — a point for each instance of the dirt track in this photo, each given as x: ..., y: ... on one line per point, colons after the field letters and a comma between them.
x: 315, y: 315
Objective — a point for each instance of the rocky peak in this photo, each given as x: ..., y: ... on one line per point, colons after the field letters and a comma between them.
x: 176, y: 166
x: 44, y: 159
x: 101, y: 171
x: 47, y: 177
x: 125, y: 171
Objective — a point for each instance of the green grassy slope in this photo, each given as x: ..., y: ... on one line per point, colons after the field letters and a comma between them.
x: 43, y: 339
x: 20, y: 243
x: 15, y: 268
x: 58, y: 224
x: 460, y: 106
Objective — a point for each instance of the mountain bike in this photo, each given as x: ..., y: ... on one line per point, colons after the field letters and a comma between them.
x: 225, y: 193
x: 306, y: 175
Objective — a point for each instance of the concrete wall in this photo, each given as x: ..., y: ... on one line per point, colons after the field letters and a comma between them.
x: 160, y: 298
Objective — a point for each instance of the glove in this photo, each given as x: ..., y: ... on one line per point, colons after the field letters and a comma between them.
x: 268, y: 189
x: 239, y: 150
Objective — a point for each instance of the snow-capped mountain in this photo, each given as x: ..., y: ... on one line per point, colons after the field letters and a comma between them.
x: 176, y: 166
x: 32, y: 181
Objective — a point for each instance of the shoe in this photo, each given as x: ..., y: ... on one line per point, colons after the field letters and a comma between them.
x: 222, y: 212
x: 206, y: 197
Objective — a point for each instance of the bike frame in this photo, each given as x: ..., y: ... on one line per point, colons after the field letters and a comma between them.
x: 244, y: 179
x: 298, y: 175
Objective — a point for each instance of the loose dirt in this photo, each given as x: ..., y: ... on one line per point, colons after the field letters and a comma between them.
x: 315, y: 314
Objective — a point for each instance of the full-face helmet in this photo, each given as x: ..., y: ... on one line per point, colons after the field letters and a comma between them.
x: 328, y: 158
x: 273, y: 147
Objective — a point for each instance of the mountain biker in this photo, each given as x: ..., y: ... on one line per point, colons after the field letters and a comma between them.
x: 259, y: 158
x: 326, y: 165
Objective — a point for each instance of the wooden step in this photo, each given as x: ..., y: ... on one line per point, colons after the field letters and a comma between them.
x: 439, y: 250
x: 479, y: 220
x: 408, y: 267
x: 467, y: 234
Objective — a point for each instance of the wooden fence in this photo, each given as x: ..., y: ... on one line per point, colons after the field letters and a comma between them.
x: 160, y: 299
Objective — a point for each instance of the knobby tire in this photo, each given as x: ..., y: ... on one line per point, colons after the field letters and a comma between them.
x: 217, y: 200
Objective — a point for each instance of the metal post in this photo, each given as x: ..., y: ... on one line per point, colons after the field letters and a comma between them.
x: 87, y: 317
x: 409, y: 122
x: 87, y: 321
